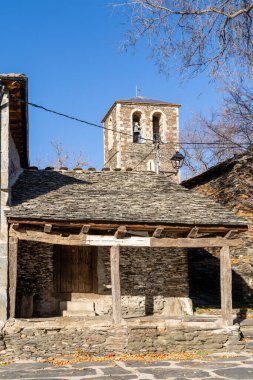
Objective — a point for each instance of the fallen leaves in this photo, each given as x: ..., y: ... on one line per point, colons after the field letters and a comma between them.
x: 80, y: 357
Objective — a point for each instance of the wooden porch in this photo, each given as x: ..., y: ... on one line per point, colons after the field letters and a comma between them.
x: 116, y: 236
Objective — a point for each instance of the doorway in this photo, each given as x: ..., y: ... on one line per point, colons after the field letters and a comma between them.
x: 74, y: 269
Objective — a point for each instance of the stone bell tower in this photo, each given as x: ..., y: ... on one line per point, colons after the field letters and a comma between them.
x: 143, y: 123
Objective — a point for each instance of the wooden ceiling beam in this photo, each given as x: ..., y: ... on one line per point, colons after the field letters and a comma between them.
x: 110, y: 240
x: 193, y: 233
x: 158, y: 232
x: 48, y: 228
x: 85, y: 229
x: 121, y: 232
x: 130, y: 226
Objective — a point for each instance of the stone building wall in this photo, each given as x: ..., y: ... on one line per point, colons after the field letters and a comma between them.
x: 230, y: 184
x: 149, y: 279
x: 35, y: 278
x: 10, y: 170
x: 121, y: 152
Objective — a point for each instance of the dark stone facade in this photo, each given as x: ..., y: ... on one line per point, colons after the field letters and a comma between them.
x: 144, y: 272
x: 231, y: 184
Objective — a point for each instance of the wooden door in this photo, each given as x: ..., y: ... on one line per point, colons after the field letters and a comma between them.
x: 73, y: 269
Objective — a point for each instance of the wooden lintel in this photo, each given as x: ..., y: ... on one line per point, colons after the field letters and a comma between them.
x: 85, y: 229
x: 120, y: 233
x: 158, y: 232
x: 48, y: 228
x: 193, y: 233
x: 110, y: 240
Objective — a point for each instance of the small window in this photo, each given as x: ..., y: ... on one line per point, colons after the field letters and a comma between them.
x: 136, y: 121
x: 156, y: 127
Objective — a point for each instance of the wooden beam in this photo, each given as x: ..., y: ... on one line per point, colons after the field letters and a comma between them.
x: 120, y: 233
x: 193, y: 233
x: 85, y: 229
x: 230, y: 233
x: 226, y: 286
x: 194, y: 243
x: 48, y: 228
x: 133, y: 241
x: 15, y: 226
x: 130, y: 226
x: 13, y: 257
x: 115, y: 278
x: 158, y: 232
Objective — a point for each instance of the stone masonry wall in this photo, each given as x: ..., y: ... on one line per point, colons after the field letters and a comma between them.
x: 231, y: 186
x: 37, y: 340
x: 150, y: 274
x: 36, y: 277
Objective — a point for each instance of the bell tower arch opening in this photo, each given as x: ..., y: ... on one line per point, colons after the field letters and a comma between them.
x: 136, y: 123
x: 156, y: 124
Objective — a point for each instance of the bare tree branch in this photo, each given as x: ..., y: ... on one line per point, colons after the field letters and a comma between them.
x: 193, y: 34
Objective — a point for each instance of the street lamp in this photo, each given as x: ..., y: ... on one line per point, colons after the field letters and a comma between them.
x: 177, y: 160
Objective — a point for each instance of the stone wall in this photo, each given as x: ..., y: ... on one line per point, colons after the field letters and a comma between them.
x: 38, y: 339
x: 230, y: 184
x: 121, y: 152
x: 35, y: 278
x: 148, y: 271
x: 10, y: 170
x: 152, y: 280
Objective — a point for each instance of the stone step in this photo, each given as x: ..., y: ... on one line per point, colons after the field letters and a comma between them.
x: 81, y: 306
x: 247, y: 322
x: 85, y: 296
x: 249, y: 345
x: 78, y: 313
x: 247, y: 333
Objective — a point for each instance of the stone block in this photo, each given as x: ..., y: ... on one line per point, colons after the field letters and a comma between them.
x: 3, y: 304
x: 3, y: 272
x: 174, y: 306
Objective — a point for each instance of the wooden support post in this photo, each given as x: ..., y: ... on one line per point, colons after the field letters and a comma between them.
x: 226, y: 286
x: 13, y: 256
x: 115, y: 278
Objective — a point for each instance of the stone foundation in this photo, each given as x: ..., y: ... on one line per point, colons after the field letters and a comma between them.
x: 36, y: 339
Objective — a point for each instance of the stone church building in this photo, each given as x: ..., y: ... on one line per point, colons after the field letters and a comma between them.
x: 110, y: 246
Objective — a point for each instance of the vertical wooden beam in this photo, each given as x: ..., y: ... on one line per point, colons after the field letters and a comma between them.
x: 226, y: 286
x: 13, y: 258
x: 115, y: 278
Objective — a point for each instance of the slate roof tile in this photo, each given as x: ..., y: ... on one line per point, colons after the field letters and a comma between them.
x: 113, y: 196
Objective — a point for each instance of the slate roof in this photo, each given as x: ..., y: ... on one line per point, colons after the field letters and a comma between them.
x: 142, y: 99
x: 139, y: 100
x: 113, y: 197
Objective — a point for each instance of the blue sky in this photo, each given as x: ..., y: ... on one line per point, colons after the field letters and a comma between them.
x: 70, y: 52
